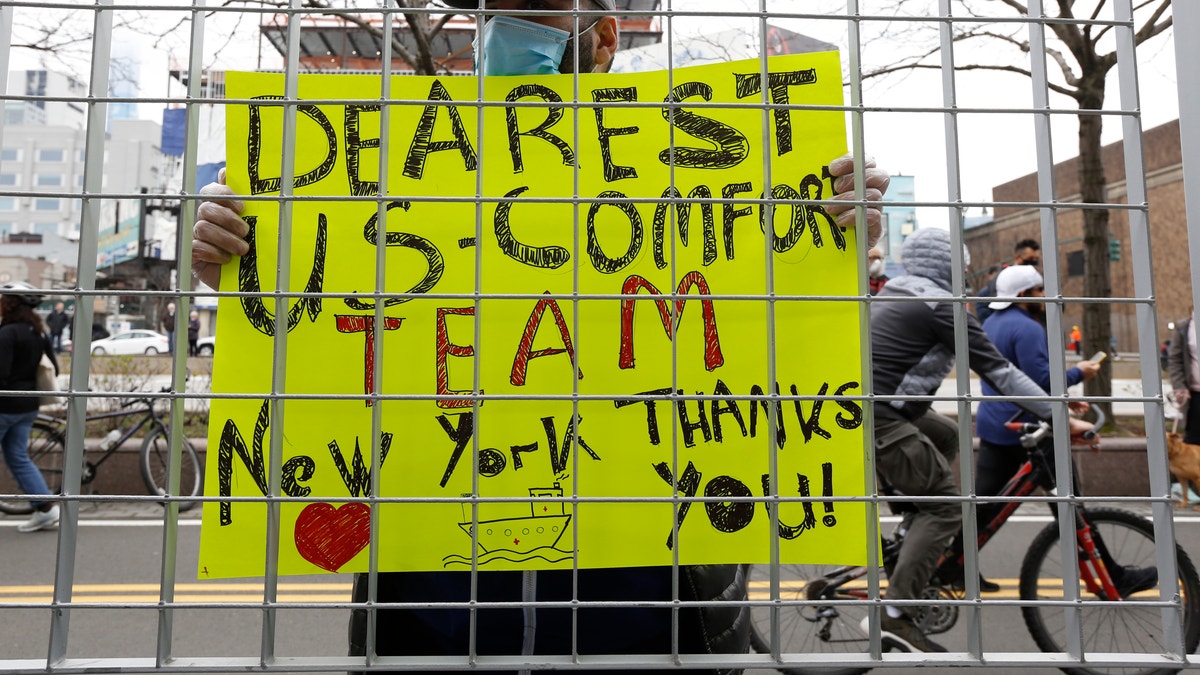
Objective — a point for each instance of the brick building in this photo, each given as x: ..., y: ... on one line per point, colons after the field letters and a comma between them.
x: 992, y: 243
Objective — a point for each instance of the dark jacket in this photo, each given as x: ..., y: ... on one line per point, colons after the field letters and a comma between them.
x: 912, y: 343
x: 719, y: 629
x: 982, y: 311
x: 1179, y: 362
x: 57, y: 321
x: 21, y: 349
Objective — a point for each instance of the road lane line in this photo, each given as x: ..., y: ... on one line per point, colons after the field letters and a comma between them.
x: 186, y: 587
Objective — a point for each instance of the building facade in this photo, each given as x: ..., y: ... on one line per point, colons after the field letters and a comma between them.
x: 992, y: 243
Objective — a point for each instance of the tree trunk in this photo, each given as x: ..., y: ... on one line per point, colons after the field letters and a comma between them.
x: 1097, y: 283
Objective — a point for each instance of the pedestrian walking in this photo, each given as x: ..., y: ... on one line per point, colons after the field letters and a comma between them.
x: 22, y: 342
x: 168, y: 324
x: 1026, y: 252
x: 193, y: 333
x: 875, y: 270
x: 57, y: 321
x: 1183, y: 369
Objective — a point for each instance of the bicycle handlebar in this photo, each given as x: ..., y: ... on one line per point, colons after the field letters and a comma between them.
x: 145, y: 400
x: 1033, y: 433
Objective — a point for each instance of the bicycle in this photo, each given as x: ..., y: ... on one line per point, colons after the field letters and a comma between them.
x: 1116, y: 562
x: 47, y: 443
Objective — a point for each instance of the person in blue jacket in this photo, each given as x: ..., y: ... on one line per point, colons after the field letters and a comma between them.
x: 1018, y: 330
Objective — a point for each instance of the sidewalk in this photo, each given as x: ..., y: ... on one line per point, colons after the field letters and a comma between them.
x: 1122, y: 388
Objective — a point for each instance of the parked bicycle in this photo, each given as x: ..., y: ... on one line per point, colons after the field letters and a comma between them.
x: 1116, y: 559
x: 47, y: 444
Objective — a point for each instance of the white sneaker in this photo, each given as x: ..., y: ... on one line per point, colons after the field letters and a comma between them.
x: 40, y: 520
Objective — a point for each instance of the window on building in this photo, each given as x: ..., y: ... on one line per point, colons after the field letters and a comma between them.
x: 79, y: 180
x: 1075, y: 264
x: 10, y: 155
x: 45, y: 228
x: 48, y: 180
x: 76, y: 205
x: 9, y: 179
x: 80, y: 155
x: 8, y: 204
x: 47, y: 204
x: 51, y: 155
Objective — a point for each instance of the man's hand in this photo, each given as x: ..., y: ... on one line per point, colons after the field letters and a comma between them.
x: 1079, y: 428
x: 842, y: 170
x: 1089, y: 368
x: 219, y: 233
x: 1181, y: 397
x: 1079, y: 407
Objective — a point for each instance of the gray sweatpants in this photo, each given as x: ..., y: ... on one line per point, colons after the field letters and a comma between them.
x: 915, y: 459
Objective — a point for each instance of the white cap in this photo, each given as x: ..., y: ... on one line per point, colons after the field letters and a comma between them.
x: 1014, y: 280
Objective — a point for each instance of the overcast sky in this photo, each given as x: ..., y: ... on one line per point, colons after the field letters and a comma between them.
x: 994, y: 148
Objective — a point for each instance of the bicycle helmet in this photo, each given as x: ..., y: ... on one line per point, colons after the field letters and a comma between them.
x: 31, y: 299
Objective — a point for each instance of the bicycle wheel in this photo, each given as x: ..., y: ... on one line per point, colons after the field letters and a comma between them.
x: 156, y: 453
x: 46, y: 451
x: 1112, y: 627
x: 810, y: 629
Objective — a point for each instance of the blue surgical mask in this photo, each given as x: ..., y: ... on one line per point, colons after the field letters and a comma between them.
x: 517, y: 47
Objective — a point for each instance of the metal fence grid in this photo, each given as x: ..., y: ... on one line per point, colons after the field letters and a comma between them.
x: 854, y: 20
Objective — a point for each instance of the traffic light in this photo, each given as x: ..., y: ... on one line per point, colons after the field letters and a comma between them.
x: 1114, y: 249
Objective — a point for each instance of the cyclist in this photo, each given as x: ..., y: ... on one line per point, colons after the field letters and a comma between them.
x: 1018, y: 330
x: 22, y: 343
x: 912, y: 346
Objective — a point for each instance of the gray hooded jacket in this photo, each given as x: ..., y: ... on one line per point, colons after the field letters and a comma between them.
x: 912, y: 343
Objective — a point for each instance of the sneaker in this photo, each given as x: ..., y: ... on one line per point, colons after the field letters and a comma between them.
x: 1135, y: 579
x: 40, y: 520
x: 985, y: 585
x: 902, y: 633
x: 958, y: 583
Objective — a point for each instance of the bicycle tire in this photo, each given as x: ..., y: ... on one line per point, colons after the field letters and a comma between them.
x: 46, y: 447
x: 800, y: 627
x: 1129, y: 539
x: 156, y: 451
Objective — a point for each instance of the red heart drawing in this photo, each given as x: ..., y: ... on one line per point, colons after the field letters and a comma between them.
x: 330, y: 537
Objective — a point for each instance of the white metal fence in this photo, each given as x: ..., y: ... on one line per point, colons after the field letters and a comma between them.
x: 959, y: 122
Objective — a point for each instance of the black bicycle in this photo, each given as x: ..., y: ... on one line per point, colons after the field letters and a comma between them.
x: 1115, y: 552
x: 47, y: 444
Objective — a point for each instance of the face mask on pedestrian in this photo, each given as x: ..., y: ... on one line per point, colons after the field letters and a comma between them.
x: 512, y: 46
x: 876, y: 268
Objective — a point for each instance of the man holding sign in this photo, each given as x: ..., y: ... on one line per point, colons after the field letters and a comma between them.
x: 553, y: 41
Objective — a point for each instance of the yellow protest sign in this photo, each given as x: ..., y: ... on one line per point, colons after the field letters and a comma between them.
x: 576, y: 306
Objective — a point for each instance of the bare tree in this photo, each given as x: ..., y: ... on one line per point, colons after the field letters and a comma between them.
x: 1081, y: 47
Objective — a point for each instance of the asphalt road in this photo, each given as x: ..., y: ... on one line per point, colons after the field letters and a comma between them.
x: 119, y: 563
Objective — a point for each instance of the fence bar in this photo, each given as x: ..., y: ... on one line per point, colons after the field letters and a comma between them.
x: 1147, y: 319
x: 187, y: 218
x: 68, y: 529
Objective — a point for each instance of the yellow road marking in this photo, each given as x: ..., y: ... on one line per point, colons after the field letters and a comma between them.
x: 133, y: 588
x: 338, y: 592
x: 153, y: 599
x: 329, y: 592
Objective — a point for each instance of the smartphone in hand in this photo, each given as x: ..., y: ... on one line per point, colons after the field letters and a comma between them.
x: 1098, y: 357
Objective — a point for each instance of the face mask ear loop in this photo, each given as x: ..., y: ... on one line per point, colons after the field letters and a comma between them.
x: 574, y: 42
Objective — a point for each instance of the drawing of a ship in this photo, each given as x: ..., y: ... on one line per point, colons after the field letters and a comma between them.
x: 541, y: 529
